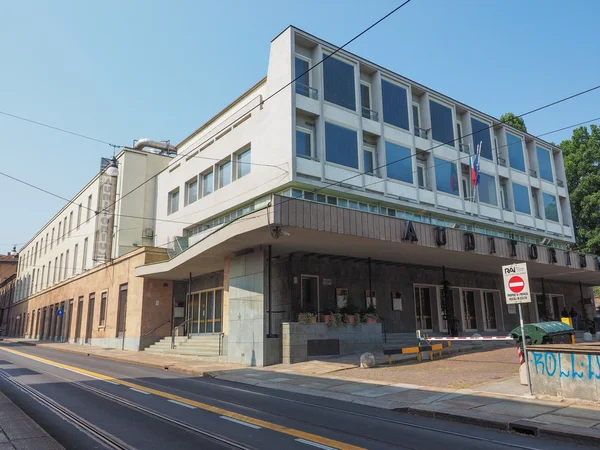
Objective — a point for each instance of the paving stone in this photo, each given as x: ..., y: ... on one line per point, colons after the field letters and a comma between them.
x: 278, y: 379
x: 380, y: 391
x: 580, y: 412
x: 349, y: 387
x: 17, y: 425
x: 565, y: 420
x: 410, y: 396
x: 3, y: 437
x: 46, y: 443
x: 467, y: 401
x: 6, y: 446
x: 515, y: 408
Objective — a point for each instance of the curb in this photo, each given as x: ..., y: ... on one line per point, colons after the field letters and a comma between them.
x: 569, y: 433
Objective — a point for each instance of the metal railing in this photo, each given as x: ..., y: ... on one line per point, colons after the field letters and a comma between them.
x: 370, y: 114
x: 422, y: 132
x: 501, y: 162
x: 154, y: 329
x: 175, y: 331
x: 560, y: 183
x: 464, y: 148
x: 533, y: 173
x: 307, y: 91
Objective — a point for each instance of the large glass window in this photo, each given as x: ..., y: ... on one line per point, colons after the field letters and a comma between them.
x: 515, y: 152
x: 243, y: 164
x: 304, y: 145
x: 544, y: 164
x: 481, y: 133
x: 395, y: 104
x: 550, y: 207
x: 224, y: 174
x: 487, y: 189
x: 174, y: 201
x: 207, y: 183
x: 442, y: 128
x: 446, y: 176
x: 302, y: 83
x: 399, y: 162
x: 338, y: 80
x: 341, y: 145
x: 191, y: 188
x: 521, y: 198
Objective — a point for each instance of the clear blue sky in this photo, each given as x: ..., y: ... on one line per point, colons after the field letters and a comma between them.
x: 121, y: 70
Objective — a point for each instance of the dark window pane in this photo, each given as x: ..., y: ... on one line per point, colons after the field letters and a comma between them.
x: 515, y: 152
x: 338, y: 79
x: 544, y: 164
x: 341, y: 145
x: 302, y: 82
x: 368, y: 161
x: 416, y: 118
x: 399, y: 162
x: 521, y: 198
x: 303, y: 144
x: 395, y: 106
x: 365, y: 96
x: 442, y: 129
x: 487, y: 189
x: 550, y: 207
x: 446, y: 176
x: 481, y: 133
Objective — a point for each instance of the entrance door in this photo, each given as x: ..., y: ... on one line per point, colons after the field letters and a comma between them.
x: 468, y: 310
x: 42, y: 328
x: 194, y: 313
x: 218, y: 310
x: 542, y: 309
x: 423, y: 308
x: 205, y: 311
x: 69, y: 313
x: 37, y: 324
x: 122, y: 314
x: 558, y: 304
x: 79, y: 319
x: 90, y: 319
x: 450, y: 300
x: 309, y: 295
x: 489, y: 311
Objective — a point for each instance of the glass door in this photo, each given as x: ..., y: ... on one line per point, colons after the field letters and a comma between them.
x: 489, y: 311
x: 194, y: 313
x: 468, y: 310
x: 206, y: 311
x: 423, y: 308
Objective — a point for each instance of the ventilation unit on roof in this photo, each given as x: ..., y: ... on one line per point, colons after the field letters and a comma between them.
x: 148, y: 233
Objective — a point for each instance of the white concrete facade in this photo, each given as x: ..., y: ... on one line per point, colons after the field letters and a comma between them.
x: 270, y: 131
x: 64, y: 247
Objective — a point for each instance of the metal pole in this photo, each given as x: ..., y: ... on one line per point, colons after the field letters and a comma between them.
x: 370, y: 287
x: 189, y: 301
x: 523, y: 340
x: 545, y: 302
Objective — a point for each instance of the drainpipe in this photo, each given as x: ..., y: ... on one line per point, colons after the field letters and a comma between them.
x: 173, y: 319
x: 270, y: 304
x: 188, y: 301
x: 370, y: 285
x: 544, y: 297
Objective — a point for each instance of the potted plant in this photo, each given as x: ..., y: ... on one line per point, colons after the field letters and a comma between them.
x: 370, y: 315
x: 350, y: 314
x: 336, y: 319
x: 306, y: 318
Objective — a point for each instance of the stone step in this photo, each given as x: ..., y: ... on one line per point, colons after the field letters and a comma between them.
x: 181, y: 352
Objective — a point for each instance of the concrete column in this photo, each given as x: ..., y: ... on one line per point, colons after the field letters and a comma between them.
x: 46, y: 332
x: 63, y: 332
x: 247, y: 335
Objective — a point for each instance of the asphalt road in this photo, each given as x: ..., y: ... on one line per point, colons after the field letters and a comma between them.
x: 87, y: 403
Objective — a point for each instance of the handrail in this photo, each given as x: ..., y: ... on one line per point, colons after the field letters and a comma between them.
x: 153, y: 330
x: 175, y: 328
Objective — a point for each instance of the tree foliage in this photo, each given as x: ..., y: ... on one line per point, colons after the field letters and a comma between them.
x: 582, y: 166
x: 514, y: 121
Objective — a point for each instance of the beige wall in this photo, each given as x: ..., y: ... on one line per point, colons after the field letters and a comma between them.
x: 148, y: 301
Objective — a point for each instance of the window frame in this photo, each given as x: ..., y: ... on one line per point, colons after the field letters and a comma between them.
x: 491, y: 136
x: 204, y: 174
x: 358, y: 148
x: 170, y: 202
x: 408, y: 102
x: 89, y: 211
x: 221, y: 164
x: 239, y: 166
x: 187, y: 201
x: 528, y: 199
x: 422, y: 164
x: 458, y: 176
x: 550, y: 161
x: 556, y: 203
x: 329, y: 55
x: 371, y: 148
x: 495, y: 181
x: 452, y: 120
x: 310, y: 77
x: 389, y: 164
x: 311, y: 133
x: 103, y: 307
x: 415, y: 125
x: 523, y: 150
x: 362, y: 106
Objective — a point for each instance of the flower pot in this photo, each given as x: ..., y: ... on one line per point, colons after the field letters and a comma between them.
x: 371, y: 319
x: 325, y: 318
x: 350, y: 318
x: 314, y: 319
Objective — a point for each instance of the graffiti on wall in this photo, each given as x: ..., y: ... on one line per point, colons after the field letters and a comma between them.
x: 551, y: 364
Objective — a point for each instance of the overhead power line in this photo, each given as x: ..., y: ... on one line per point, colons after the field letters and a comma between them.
x: 180, y: 157
x: 62, y: 130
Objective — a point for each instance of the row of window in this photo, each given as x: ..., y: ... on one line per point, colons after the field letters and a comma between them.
x: 341, y: 147
x: 339, y: 89
x: 40, y: 279
x: 204, y: 184
x: 400, y: 214
x: 64, y: 230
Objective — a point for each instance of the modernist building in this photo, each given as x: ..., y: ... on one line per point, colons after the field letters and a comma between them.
x: 354, y: 182
x: 80, y: 264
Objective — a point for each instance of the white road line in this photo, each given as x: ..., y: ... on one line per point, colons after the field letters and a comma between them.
x: 250, y: 425
x: 314, y: 444
x: 111, y: 382
x: 182, y: 404
x: 140, y: 391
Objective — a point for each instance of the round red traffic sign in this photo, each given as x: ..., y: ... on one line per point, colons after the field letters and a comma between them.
x: 516, y: 284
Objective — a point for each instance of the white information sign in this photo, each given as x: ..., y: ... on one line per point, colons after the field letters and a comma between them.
x: 516, y: 284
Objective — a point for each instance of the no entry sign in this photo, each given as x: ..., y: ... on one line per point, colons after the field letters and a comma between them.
x: 516, y: 283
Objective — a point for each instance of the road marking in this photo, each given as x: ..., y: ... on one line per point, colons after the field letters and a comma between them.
x: 181, y: 404
x: 111, y: 382
x: 241, y: 422
x: 309, y: 437
x: 140, y: 391
x: 314, y: 444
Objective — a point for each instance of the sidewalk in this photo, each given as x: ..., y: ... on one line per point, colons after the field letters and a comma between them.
x: 502, y: 403
x: 19, y: 431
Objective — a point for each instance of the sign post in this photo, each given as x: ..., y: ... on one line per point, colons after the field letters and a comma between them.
x: 516, y: 290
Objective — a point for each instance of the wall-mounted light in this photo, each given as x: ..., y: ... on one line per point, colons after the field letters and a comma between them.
x: 112, y: 170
